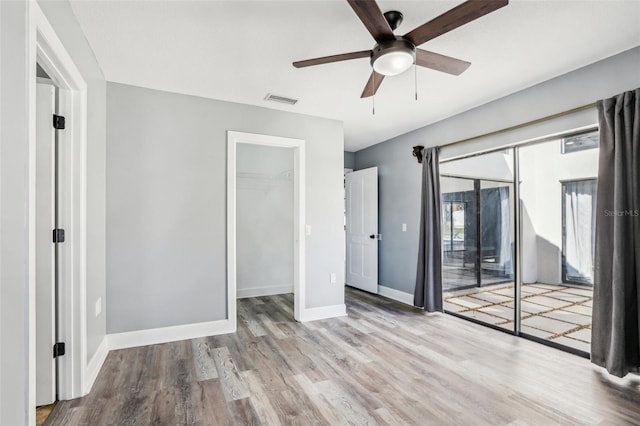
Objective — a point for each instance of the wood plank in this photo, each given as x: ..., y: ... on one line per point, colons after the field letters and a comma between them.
x: 203, y: 358
x: 313, y: 393
x: 271, y: 327
x: 232, y: 384
x: 260, y: 399
x: 341, y: 399
x: 249, y: 321
x: 210, y: 404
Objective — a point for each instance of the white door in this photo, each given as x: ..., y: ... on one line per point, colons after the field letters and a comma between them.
x: 45, y: 255
x: 362, y: 229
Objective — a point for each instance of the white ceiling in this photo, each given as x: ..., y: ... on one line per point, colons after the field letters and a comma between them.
x: 239, y: 51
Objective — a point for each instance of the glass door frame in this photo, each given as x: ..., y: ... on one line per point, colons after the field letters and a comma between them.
x: 477, y: 200
x: 515, y: 259
x: 517, y: 238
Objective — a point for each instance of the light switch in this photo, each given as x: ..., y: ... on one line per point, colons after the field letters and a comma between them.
x: 98, y: 306
x: 308, y: 229
x: 404, y: 227
x: 333, y: 278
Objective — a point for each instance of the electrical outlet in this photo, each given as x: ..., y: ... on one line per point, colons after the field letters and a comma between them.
x: 404, y: 227
x: 333, y: 278
x: 98, y: 306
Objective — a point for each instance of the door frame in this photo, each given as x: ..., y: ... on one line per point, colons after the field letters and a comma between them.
x: 518, y: 235
x: 46, y: 49
x: 377, y: 234
x: 299, y: 196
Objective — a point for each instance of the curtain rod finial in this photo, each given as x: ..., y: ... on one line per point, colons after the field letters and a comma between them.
x: 417, y: 152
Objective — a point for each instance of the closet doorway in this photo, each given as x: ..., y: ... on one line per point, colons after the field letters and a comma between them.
x: 265, y: 219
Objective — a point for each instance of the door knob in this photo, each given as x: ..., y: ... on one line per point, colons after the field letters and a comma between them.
x: 372, y: 236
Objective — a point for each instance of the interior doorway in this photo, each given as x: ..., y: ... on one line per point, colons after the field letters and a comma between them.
x: 74, y: 373
x: 264, y: 220
x: 292, y: 152
x: 362, y: 229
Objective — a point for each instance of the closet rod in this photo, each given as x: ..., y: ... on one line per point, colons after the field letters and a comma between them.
x: 519, y: 126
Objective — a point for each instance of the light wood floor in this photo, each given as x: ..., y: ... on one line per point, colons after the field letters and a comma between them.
x: 42, y: 413
x: 385, y: 363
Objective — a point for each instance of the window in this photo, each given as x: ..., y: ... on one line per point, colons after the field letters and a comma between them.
x: 580, y: 142
x: 578, y: 231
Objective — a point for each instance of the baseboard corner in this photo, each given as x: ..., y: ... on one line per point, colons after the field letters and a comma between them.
x: 323, y: 312
x: 95, y: 364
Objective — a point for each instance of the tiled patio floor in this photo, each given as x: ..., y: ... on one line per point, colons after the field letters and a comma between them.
x: 560, y: 314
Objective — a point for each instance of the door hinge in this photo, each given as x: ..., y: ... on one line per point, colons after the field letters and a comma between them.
x: 58, y: 235
x: 58, y: 349
x: 58, y: 122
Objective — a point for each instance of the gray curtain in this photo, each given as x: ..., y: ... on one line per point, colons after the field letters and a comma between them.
x: 615, y: 337
x: 428, y: 292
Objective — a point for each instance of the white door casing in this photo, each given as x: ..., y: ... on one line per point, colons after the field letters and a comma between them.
x: 47, y: 50
x: 299, y: 201
x: 45, y: 256
x: 362, y: 229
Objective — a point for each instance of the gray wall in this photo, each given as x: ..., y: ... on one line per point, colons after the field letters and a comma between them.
x: 398, y: 203
x: 399, y: 181
x: 264, y: 220
x: 166, y: 204
x: 14, y: 274
x: 349, y: 160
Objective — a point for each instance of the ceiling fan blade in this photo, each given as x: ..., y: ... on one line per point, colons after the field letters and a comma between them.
x: 372, y: 85
x: 333, y: 58
x: 454, y: 18
x: 372, y: 18
x: 439, y: 62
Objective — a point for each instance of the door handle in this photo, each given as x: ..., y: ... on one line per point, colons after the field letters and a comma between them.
x: 372, y: 236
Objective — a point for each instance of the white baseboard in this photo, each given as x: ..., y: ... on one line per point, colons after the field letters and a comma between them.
x: 397, y: 295
x: 323, y: 312
x: 242, y: 293
x: 154, y: 336
x: 95, y: 364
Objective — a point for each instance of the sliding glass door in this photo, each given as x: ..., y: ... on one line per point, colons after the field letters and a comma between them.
x: 557, y: 193
x: 478, y: 234
x: 555, y: 205
x: 556, y: 226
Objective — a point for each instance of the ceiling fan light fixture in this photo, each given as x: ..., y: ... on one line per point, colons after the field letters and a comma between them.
x: 393, y: 63
x: 393, y: 57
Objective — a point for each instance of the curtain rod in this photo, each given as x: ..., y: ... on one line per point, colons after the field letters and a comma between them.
x: 519, y: 126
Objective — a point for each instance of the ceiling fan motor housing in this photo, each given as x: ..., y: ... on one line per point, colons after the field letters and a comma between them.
x: 393, y: 57
x: 394, y: 18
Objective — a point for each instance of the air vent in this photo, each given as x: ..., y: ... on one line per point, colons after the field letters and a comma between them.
x: 283, y: 99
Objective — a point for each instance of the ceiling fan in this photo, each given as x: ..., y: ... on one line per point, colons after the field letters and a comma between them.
x: 392, y: 54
